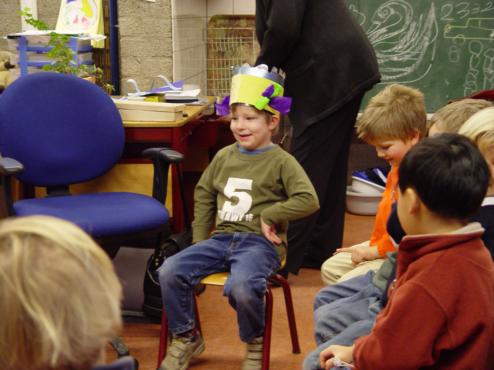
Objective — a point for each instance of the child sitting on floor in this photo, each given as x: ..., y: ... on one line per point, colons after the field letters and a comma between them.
x: 252, y: 188
x: 453, y: 115
x: 345, y: 311
x: 393, y: 122
x: 440, y: 305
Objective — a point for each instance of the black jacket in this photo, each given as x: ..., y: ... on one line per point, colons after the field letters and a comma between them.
x: 323, y: 50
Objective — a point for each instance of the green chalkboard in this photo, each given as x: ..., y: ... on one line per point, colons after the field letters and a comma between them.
x: 443, y: 47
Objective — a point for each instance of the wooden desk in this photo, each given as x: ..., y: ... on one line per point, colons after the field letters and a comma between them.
x: 172, y: 132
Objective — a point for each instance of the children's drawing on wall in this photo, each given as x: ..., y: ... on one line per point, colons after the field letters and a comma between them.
x: 79, y: 16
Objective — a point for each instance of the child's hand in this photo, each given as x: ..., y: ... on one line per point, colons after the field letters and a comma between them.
x: 270, y: 233
x: 361, y: 253
x: 336, y: 355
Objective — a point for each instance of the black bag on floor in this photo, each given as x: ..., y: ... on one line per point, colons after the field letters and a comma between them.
x: 175, y: 243
x: 152, y: 293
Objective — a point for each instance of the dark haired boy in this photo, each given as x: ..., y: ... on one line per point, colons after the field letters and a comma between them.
x: 440, y: 312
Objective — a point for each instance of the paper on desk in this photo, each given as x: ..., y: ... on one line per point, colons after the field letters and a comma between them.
x: 169, y: 86
x: 182, y: 95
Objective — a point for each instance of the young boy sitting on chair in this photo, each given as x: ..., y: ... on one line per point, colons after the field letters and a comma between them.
x: 252, y: 188
x: 440, y: 304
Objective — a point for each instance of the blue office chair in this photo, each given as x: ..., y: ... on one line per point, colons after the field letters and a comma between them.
x: 57, y: 130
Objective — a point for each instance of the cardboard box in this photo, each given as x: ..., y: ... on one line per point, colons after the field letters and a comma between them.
x: 144, y: 111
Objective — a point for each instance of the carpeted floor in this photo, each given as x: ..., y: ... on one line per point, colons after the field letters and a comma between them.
x: 224, y: 350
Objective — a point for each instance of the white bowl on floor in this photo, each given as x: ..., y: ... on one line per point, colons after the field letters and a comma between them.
x: 366, y: 187
x: 360, y: 203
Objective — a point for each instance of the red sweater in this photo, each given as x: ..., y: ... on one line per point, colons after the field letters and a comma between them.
x: 440, y: 314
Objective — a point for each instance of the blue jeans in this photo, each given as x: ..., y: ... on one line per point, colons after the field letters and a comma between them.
x: 345, y: 303
x: 345, y: 338
x: 344, y: 312
x: 250, y: 258
x: 341, y: 290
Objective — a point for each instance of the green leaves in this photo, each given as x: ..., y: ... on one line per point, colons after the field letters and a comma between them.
x: 29, y: 19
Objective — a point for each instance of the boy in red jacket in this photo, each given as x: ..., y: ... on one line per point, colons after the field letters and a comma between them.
x: 440, y: 313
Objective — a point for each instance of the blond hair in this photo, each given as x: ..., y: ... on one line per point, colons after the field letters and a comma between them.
x: 480, y: 129
x: 60, y: 296
x: 450, y: 117
x: 397, y: 112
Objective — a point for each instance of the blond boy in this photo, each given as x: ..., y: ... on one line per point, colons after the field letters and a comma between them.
x: 480, y: 129
x: 61, y: 297
x: 393, y: 122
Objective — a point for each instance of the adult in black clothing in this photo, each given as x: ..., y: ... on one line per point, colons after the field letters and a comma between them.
x: 329, y: 65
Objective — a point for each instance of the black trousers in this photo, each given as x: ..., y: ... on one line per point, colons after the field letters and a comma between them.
x: 323, y: 150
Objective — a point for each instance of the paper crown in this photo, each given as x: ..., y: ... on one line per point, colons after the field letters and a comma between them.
x: 256, y: 87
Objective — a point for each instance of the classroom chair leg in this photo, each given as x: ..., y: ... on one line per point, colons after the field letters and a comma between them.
x: 266, y: 348
x: 267, y: 322
x: 290, y: 312
x: 163, y: 344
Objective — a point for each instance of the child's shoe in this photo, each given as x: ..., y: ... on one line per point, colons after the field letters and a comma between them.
x: 253, y: 358
x: 180, y: 352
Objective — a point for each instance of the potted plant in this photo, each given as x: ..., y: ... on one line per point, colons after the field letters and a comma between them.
x: 63, y: 56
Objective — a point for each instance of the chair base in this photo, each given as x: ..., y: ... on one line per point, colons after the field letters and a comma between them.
x: 163, y: 343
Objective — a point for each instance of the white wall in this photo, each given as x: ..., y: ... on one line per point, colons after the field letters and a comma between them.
x: 231, y: 7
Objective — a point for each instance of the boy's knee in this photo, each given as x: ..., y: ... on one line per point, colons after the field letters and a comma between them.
x: 167, y: 272
x: 245, y: 291
x: 322, y: 298
x: 329, y: 274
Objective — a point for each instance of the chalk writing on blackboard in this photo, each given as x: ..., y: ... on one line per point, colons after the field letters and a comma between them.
x: 443, y: 47
x: 404, y: 41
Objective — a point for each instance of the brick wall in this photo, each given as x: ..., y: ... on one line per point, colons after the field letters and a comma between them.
x: 145, y: 40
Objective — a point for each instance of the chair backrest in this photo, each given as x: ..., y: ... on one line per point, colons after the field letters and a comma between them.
x: 63, y: 129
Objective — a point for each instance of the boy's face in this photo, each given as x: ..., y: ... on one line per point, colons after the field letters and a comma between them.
x: 394, y: 150
x: 251, y: 128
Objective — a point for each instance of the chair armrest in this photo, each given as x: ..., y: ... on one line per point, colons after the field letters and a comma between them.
x: 166, y: 154
x: 9, y: 166
x: 161, y: 158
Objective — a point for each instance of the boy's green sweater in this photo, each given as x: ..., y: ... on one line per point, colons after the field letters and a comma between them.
x: 239, y: 189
